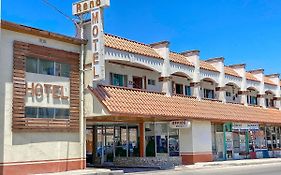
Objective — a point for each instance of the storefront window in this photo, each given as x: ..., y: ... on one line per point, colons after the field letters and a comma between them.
x: 273, y: 137
x: 257, y: 139
x: 89, y: 145
x: 150, y: 139
x: 174, y: 142
x: 114, y: 140
x: 161, y: 134
x: 161, y: 140
x: 121, y: 141
x: 278, y: 136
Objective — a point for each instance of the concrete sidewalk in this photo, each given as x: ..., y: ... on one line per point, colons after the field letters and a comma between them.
x: 88, y: 171
x: 230, y: 163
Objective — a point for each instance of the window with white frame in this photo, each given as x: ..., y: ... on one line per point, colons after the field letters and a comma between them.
x: 187, y: 90
x: 118, y: 79
x: 50, y: 113
x: 209, y: 93
x: 151, y: 82
x: 46, y: 67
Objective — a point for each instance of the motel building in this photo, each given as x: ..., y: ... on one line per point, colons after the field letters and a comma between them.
x: 153, y: 108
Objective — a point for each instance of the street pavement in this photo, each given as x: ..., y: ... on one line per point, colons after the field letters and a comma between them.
x: 264, y: 169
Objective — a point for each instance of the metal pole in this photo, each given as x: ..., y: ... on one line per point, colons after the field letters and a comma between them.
x: 81, y: 94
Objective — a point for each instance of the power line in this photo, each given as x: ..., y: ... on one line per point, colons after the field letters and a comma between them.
x: 62, y: 13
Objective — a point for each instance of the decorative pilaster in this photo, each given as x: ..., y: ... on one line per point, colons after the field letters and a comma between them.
x: 193, y: 57
x: 162, y: 48
x: 277, y: 99
x: 241, y: 70
x: 218, y: 63
x: 259, y: 74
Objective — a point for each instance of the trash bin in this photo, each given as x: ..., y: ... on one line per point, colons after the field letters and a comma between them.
x: 265, y: 154
x: 253, y: 155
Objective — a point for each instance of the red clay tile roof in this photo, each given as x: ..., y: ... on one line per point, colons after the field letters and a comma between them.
x: 250, y: 76
x: 119, y: 43
x: 207, y: 66
x: 268, y: 81
x: 131, y: 103
x: 230, y: 71
x: 178, y: 58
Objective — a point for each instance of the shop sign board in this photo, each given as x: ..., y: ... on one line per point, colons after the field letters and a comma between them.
x: 180, y: 124
x: 95, y: 8
x: 245, y: 126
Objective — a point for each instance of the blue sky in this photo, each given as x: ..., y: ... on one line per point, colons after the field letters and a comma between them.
x: 242, y: 31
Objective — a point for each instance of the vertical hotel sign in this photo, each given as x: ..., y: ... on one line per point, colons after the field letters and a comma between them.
x: 95, y: 8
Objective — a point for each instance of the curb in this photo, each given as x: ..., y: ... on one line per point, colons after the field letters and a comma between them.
x: 87, y: 172
x: 230, y: 163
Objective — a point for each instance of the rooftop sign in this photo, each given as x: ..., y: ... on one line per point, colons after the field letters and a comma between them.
x: 95, y: 8
x: 86, y: 6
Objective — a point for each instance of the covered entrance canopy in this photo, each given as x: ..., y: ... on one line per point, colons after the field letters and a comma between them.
x: 125, y: 104
x: 150, y: 111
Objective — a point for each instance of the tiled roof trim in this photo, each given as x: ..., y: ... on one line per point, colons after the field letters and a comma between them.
x: 178, y: 58
x: 268, y: 81
x: 207, y: 66
x: 230, y: 71
x: 124, y: 44
x: 251, y: 77
x: 131, y: 102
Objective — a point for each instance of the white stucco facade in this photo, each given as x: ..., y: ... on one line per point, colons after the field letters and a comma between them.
x: 32, y: 146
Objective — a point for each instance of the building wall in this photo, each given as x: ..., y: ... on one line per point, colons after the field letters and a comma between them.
x: 196, y: 142
x: 22, y: 149
x: 2, y: 94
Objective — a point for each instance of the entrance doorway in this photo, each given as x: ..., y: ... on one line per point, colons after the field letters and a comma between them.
x: 105, y: 142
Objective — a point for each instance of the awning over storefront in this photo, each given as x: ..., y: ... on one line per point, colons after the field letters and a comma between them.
x: 121, y: 102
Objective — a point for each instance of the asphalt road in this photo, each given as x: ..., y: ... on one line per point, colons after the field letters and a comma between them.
x: 266, y: 169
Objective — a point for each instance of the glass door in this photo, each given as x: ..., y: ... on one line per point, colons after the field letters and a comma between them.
x: 133, y: 147
x: 109, y: 144
x: 121, y: 137
x: 120, y: 140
